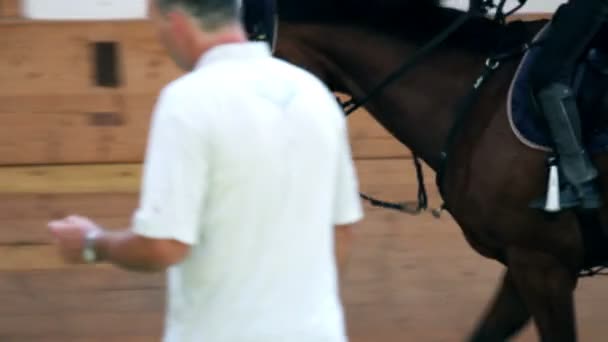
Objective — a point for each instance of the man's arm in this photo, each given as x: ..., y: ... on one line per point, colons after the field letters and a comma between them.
x: 125, y: 249
x: 174, y: 186
x: 137, y: 253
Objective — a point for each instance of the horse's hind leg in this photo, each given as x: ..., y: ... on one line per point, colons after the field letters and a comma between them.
x: 546, y: 286
x: 506, y: 315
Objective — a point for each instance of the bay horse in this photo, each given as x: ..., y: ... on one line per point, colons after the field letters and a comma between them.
x: 490, y: 177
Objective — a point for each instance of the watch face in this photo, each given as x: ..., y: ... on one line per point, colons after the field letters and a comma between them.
x: 88, y: 255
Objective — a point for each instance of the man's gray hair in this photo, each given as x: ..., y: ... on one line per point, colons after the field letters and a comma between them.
x: 212, y: 14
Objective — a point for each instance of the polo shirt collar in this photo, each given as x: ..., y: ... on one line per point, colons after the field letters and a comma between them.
x: 234, y: 51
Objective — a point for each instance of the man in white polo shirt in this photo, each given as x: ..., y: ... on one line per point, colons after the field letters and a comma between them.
x: 248, y: 186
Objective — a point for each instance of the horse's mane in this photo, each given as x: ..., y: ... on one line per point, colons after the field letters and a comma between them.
x: 338, y: 10
x: 413, y: 20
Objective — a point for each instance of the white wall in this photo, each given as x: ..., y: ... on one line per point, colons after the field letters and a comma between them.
x: 84, y: 9
x: 532, y: 6
x: 136, y: 9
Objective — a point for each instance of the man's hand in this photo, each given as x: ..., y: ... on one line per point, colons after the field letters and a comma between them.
x: 122, y: 248
x: 69, y: 234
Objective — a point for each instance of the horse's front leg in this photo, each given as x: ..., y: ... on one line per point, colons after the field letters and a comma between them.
x: 506, y: 316
x: 547, y: 287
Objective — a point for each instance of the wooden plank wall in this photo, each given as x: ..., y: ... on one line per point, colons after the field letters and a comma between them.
x: 53, y: 111
x: 69, y: 145
x: 10, y: 8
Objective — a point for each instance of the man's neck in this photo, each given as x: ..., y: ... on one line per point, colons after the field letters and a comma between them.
x: 229, y: 35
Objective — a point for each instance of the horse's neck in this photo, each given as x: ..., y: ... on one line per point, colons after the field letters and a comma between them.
x: 418, y: 109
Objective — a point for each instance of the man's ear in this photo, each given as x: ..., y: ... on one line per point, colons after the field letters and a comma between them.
x: 176, y: 21
x: 182, y: 25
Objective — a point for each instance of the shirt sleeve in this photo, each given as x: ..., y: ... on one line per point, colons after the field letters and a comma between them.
x: 174, y: 176
x: 347, y: 203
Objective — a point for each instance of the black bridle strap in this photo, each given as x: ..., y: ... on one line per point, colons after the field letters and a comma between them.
x: 353, y: 104
x: 484, y: 6
x: 410, y: 208
x: 465, y: 106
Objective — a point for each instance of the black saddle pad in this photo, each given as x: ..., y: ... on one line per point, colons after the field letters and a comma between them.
x: 529, y: 127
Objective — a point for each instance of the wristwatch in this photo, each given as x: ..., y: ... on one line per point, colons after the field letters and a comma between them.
x: 89, y: 255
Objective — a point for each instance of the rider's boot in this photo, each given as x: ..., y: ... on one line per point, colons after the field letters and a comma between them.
x: 579, y: 187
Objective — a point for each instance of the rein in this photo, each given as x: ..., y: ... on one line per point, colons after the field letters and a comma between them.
x: 477, y: 7
x: 594, y: 271
x: 352, y: 105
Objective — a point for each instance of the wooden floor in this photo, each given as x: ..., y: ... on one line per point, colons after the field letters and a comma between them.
x: 410, y: 278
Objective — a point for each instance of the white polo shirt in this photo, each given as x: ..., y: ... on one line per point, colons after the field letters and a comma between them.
x: 249, y: 163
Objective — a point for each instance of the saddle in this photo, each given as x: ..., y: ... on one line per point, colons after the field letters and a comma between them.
x: 590, y: 85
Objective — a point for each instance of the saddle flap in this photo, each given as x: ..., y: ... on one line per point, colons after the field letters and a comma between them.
x: 591, y: 87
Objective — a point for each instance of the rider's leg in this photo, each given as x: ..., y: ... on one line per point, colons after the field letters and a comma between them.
x: 574, y: 26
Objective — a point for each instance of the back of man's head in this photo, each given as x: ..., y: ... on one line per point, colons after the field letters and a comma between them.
x: 212, y: 14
